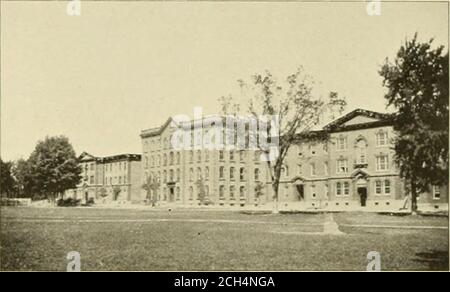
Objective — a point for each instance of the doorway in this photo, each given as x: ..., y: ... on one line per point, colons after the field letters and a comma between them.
x: 362, y: 192
x: 301, y: 192
x: 171, y: 194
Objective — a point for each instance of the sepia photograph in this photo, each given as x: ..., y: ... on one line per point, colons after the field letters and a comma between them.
x: 243, y: 138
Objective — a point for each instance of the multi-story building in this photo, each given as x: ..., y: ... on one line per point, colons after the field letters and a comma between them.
x: 110, y: 178
x: 225, y: 177
x: 353, y: 167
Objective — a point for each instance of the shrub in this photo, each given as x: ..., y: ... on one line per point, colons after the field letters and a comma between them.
x: 69, y: 202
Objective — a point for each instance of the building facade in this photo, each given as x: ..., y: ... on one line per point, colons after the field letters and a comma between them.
x: 353, y: 168
x: 109, y: 179
x: 223, y: 177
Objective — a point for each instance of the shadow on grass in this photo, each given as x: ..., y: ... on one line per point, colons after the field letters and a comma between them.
x: 436, y: 260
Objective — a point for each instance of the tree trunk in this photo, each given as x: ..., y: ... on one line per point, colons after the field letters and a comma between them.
x: 413, y: 198
x: 275, y: 198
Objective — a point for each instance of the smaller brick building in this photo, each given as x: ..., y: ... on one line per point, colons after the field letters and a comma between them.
x: 108, y: 179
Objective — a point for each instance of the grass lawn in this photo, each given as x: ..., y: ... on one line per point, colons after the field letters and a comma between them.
x: 112, y: 239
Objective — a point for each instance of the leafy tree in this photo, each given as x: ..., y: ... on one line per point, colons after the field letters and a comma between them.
x: 7, y: 182
x: 151, y: 186
x: 53, y: 167
x: 259, y: 191
x: 102, y: 192
x: 295, y: 107
x: 22, y: 174
x: 417, y: 83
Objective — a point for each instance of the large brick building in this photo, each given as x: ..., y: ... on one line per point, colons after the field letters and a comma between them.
x: 107, y: 179
x: 354, y: 168
x: 227, y: 177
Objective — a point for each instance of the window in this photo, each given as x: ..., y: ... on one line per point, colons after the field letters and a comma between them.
x: 387, y: 187
x: 124, y: 179
x: 206, y: 191
x: 146, y: 162
x: 241, y: 155
x: 342, y: 166
x: 221, y: 172
x: 242, y: 192
x: 346, y: 188
x: 199, y: 173
x: 382, y: 187
x: 231, y: 155
x: 299, y: 168
x: 256, y: 174
x: 191, y: 174
x: 242, y: 173
x: 313, y: 191
x: 207, y: 172
x: 92, y: 166
x: 313, y: 168
x: 165, y: 159
x: 171, y: 175
x: 338, y: 189
x: 91, y: 180
x: 191, y: 156
x: 120, y: 180
x: 206, y: 155
x: 361, y: 151
x: 177, y: 192
x: 382, y: 138
x: 378, y: 187
x: 221, y: 192
x: 312, y: 149
x: 178, y: 158
x: 164, y: 176
x: 436, y: 192
x: 199, y: 156
x: 257, y: 155
x: 382, y: 163
x: 191, y: 193
x: 171, y: 158
x: 325, y: 167
x: 342, y: 143
x: 125, y: 166
x: 178, y: 175
x: 232, y: 173
x: 232, y: 192
x: 221, y: 155
x: 284, y: 170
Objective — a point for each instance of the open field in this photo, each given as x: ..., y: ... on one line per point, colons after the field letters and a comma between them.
x: 120, y: 239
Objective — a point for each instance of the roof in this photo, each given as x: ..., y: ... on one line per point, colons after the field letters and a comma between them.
x: 378, y: 120
x: 86, y: 157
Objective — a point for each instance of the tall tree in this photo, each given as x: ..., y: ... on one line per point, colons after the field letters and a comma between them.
x: 417, y: 83
x: 7, y: 182
x: 53, y: 167
x: 22, y: 174
x: 293, y: 104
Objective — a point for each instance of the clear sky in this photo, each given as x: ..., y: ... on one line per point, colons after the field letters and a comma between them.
x: 102, y: 77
